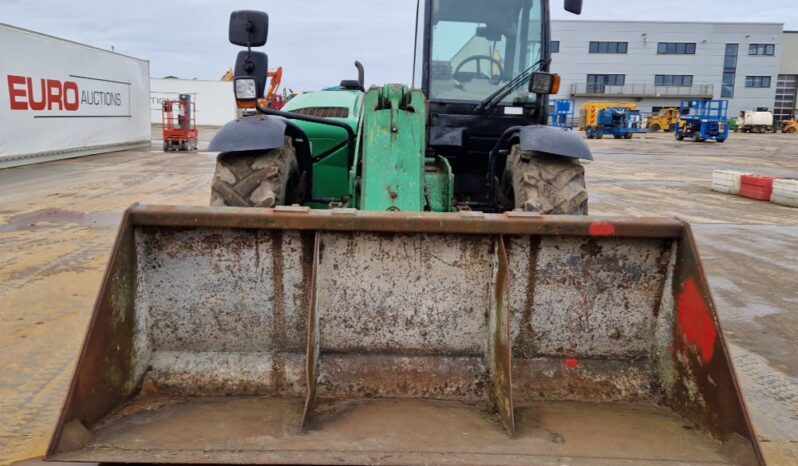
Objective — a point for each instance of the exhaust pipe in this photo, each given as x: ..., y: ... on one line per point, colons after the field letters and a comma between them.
x: 361, y: 74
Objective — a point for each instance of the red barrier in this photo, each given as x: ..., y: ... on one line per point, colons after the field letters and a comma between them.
x: 757, y: 187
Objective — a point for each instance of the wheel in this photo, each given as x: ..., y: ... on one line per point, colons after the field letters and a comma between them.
x: 600, y: 132
x: 617, y: 136
x: 679, y: 136
x: 628, y: 135
x: 165, y: 146
x: 696, y: 137
x: 720, y: 140
x: 256, y: 179
x: 546, y: 184
x: 590, y: 132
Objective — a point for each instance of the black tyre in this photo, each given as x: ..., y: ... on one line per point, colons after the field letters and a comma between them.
x: 165, y: 146
x: 590, y: 132
x: 546, y: 184
x: 628, y: 135
x: 256, y: 179
x: 600, y: 132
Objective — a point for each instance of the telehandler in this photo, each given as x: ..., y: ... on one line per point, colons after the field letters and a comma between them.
x: 380, y: 281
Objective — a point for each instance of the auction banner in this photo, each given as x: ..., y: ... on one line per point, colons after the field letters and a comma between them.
x: 62, y: 99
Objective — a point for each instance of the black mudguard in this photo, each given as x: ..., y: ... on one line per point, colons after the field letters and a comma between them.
x: 258, y: 132
x: 264, y: 133
x: 554, y: 141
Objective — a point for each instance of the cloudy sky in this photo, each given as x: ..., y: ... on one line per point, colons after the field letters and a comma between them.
x: 315, y: 40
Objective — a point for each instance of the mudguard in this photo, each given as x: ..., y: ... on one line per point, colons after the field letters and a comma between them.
x: 554, y: 141
x: 263, y: 133
x: 258, y: 132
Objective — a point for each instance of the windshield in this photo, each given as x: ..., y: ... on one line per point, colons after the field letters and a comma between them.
x: 479, y: 46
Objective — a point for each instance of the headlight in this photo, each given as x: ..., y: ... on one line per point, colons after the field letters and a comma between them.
x: 246, y: 89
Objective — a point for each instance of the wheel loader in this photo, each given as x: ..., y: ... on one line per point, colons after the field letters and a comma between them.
x: 405, y: 275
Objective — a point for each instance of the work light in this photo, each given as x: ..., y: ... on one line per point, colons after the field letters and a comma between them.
x: 246, y: 89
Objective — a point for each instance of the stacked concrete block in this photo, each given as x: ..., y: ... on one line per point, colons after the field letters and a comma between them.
x: 785, y: 192
x: 727, y: 181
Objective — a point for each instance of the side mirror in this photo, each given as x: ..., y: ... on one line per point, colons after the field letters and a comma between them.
x: 544, y: 83
x: 574, y: 6
x: 249, y: 28
x: 489, y: 33
x: 250, y: 75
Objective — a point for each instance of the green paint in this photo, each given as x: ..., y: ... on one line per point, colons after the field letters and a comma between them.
x: 331, y: 173
x: 393, y: 148
x: 395, y: 175
x: 439, y: 185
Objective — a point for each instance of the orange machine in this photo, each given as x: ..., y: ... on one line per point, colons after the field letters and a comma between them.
x: 179, y: 124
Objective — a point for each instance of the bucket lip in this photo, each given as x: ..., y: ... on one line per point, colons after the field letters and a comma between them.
x: 351, y: 220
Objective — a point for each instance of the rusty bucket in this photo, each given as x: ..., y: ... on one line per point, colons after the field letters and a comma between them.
x: 289, y: 336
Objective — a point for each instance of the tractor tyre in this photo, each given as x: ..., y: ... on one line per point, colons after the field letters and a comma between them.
x: 600, y: 132
x: 165, y: 146
x: 628, y: 135
x: 590, y: 132
x: 546, y: 184
x: 256, y: 179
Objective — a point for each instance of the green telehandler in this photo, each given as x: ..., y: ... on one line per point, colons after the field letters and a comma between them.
x: 405, y: 275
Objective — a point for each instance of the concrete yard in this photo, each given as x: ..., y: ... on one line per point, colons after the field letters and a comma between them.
x: 58, y: 219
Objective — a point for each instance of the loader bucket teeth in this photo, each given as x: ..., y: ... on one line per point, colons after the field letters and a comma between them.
x: 274, y: 336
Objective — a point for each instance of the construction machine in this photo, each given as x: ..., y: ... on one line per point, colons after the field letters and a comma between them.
x: 179, y: 121
x: 563, y: 114
x: 618, y: 122
x: 703, y: 120
x: 381, y: 281
x: 665, y: 120
x: 789, y: 127
x: 760, y: 121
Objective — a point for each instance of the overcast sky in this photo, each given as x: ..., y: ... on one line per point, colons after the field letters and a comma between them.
x: 315, y: 40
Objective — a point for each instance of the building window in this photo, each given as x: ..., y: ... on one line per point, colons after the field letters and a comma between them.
x: 609, y: 47
x: 762, y: 49
x: 729, y: 71
x: 555, y: 46
x: 676, y: 48
x: 673, y: 80
x: 757, y: 81
x: 596, y: 83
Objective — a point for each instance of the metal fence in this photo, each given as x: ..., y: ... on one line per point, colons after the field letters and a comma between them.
x: 643, y: 90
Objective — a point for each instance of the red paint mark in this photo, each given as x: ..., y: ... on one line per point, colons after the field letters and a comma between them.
x: 571, y: 363
x: 696, y: 322
x: 602, y: 229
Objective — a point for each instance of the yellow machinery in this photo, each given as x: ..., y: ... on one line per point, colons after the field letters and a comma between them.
x: 665, y: 120
x: 789, y: 127
x: 590, y: 111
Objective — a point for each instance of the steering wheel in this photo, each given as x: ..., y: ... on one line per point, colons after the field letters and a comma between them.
x: 478, y: 59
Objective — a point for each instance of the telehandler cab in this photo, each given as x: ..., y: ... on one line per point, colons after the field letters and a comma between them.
x: 380, y: 282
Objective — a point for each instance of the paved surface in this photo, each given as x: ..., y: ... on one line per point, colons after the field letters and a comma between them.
x: 57, y: 223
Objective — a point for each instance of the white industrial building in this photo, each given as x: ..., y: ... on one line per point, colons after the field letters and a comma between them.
x: 214, y: 101
x: 657, y: 64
